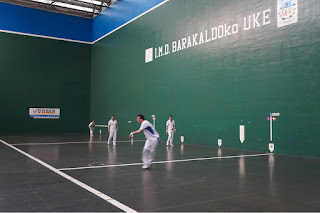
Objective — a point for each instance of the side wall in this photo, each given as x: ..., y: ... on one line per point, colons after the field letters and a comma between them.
x: 18, y: 19
x: 37, y: 72
x: 213, y: 87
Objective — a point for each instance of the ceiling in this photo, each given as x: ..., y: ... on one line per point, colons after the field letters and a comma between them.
x: 82, y: 8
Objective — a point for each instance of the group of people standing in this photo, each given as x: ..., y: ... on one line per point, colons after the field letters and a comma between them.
x: 113, y: 128
x: 151, y: 134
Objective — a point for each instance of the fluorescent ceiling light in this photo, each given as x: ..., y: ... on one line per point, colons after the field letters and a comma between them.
x: 75, y: 7
x: 92, y: 2
x: 43, y: 1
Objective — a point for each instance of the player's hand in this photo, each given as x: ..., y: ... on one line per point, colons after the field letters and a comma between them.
x: 131, y: 135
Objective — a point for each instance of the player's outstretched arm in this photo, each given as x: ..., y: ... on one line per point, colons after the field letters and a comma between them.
x: 135, y: 132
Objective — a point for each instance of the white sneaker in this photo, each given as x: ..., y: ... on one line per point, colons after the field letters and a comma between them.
x: 147, y: 166
x: 114, y: 144
x: 171, y: 144
x: 108, y: 142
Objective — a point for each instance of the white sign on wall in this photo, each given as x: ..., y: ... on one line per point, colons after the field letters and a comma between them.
x: 271, y: 147
x: 44, y: 113
x: 275, y: 114
x: 149, y: 55
x: 211, y: 34
x: 287, y: 12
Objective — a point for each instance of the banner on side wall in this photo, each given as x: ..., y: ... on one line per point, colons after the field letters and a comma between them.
x: 286, y: 14
x: 44, y: 113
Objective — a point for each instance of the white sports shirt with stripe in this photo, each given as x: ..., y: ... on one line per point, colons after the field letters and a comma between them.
x: 149, y: 131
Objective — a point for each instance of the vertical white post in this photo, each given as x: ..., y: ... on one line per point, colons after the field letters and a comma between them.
x: 270, y: 128
x: 242, y: 135
x: 182, y: 139
x: 154, y: 120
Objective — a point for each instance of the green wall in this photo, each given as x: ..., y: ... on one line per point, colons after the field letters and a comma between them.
x: 37, y: 72
x: 212, y: 88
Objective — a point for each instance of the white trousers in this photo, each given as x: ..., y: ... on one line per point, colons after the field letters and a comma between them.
x: 112, y: 134
x: 170, y: 137
x: 149, y: 151
x: 91, y: 131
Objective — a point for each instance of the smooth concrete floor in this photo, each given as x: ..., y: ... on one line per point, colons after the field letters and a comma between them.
x: 249, y: 183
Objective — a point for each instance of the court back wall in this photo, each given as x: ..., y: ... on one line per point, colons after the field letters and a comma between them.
x: 213, y: 87
x: 37, y: 72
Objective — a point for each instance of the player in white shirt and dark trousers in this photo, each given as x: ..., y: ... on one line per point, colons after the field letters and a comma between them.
x: 91, y: 126
x: 113, y: 128
x: 170, y: 130
x: 152, y: 136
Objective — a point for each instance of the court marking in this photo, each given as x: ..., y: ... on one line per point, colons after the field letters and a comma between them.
x: 62, y: 143
x: 162, y: 162
x: 77, y: 182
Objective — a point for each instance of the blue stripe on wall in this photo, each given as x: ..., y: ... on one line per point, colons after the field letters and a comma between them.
x: 44, y: 23
x: 118, y: 14
x: 39, y: 22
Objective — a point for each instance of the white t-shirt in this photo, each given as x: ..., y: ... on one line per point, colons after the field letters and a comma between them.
x: 170, y: 125
x: 92, y: 125
x: 113, y: 125
x: 149, y: 131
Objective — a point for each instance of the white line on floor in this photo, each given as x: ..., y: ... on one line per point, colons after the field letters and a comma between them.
x: 62, y: 143
x: 79, y: 183
x: 161, y: 162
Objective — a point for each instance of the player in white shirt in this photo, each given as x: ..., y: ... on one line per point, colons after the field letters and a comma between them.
x: 113, y: 128
x: 170, y: 130
x: 152, y: 136
x: 91, y: 126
